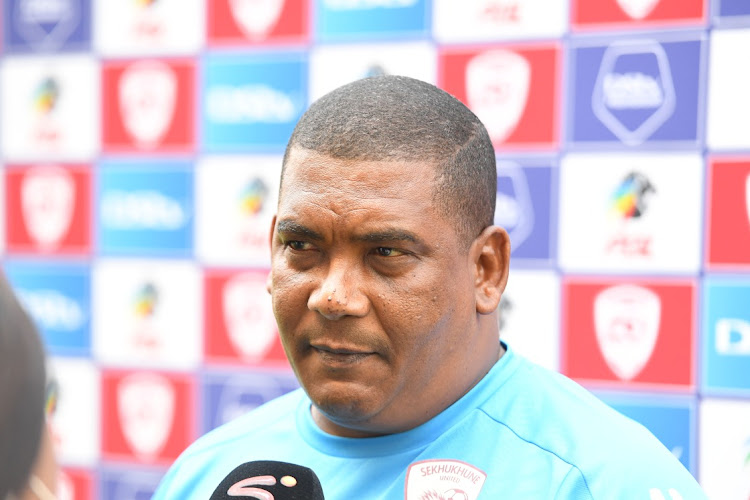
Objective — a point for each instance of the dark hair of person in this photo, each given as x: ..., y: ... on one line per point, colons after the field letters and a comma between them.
x: 396, y: 118
x: 22, y: 393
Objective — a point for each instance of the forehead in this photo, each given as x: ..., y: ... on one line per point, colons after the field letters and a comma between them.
x: 314, y: 174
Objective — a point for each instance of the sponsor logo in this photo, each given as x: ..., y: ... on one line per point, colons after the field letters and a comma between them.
x: 747, y: 197
x: 637, y: 9
x: 250, y: 204
x: 46, y: 96
x: 627, y: 319
x: 732, y: 336
x: 634, y: 94
x: 497, y: 88
x: 145, y: 304
x: 443, y: 480
x: 145, y: 209
x: 147, y: 94
x: 501, y: 12
x: 45, y: 99
x: 249, y: 103
x: 147, y: 23
x: 248, y: 316
x: 628, y: 204
x: 145, y: 406
x: 52, y: 310
x: 47, y: 23
x: 514, y: 212
x: 47, y: 199
x: 256, y: 18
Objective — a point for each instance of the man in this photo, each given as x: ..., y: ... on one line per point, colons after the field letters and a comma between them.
x: 386, y: 275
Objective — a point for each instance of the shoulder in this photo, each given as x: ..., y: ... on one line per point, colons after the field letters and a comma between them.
x: 607, y: 452
x: 205, y: 462
x: 256, y: 421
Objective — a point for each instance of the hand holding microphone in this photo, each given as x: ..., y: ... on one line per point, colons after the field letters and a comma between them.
x: 269, y: 480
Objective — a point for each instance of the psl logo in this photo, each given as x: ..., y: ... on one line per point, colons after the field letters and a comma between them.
x: 47, y: 200
x: 634, y: 95
x: 256, y: 17
x: 47, y: 24
x: 637, y: 9
x: 249, y: 321
x: 497, y: 88
x: 145, y: 406
x: 514, y: 213
x: 147, y: 95
x: 626, y: 319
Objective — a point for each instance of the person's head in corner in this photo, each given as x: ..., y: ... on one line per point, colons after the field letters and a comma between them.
x: 28, y: 469
x: 386, y: 267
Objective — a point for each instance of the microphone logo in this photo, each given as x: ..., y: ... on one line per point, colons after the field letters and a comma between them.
x: 270, y: 480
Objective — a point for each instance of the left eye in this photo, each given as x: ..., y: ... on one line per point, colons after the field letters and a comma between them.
x: 387, y: 252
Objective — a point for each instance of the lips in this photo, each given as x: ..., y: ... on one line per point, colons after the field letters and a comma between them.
x: 341, y: 355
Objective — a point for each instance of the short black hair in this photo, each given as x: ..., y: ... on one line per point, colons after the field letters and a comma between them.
x: 22, y: 392
x: 397, y: 118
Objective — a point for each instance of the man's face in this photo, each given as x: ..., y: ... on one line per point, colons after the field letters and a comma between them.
x: 373, y: 293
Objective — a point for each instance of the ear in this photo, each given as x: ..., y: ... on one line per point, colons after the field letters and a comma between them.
x: 490, y: 254
x: 269, y: 278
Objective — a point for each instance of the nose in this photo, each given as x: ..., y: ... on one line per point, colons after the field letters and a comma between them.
x: 339, y: 295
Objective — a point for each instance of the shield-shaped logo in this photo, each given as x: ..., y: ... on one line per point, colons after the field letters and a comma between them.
x: 637, y: 9
x: 747, y: 197
x: 147, y: 95
x: 145, y: 405
x: 47, y: 201
x: 256, y: 17
x: 627, y: 318
x: 65, y: 488
x: 497, y: 88
x: 443, y: 480
x: 248, y: 316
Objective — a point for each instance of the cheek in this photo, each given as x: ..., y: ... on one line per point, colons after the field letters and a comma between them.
x: 289, y: 294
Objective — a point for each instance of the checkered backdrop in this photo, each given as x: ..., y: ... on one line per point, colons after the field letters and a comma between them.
x: 141, y: 145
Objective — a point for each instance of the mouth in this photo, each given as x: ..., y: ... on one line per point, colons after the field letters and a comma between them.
x: 340, y: 355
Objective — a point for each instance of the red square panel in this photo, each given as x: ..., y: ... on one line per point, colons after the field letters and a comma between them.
x: 148, y: 106
x: 513, y: 89
x: 48, y: 209
x: 629, y: 333
x: 240, y: 327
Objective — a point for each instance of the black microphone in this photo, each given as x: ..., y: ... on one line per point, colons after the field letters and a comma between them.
x: 269, y: 480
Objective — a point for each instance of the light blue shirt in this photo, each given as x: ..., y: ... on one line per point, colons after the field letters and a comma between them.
x: 522, y: 432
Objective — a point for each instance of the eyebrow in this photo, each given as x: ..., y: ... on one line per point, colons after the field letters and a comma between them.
x: 389, y: 235
x: 291, y: 227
